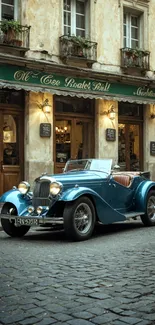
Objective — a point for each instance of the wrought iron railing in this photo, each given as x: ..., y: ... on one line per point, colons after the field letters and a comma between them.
x: 14, y: 38
x: 135, y: 58
x: 77, y: 47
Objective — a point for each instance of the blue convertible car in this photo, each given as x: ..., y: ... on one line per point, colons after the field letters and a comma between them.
x: 86, y: 193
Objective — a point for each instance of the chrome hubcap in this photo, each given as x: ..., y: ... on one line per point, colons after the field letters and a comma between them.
x: 151, y: 207
x: 83, y: 218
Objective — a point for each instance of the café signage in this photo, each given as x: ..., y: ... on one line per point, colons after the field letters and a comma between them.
x: 20, y: 75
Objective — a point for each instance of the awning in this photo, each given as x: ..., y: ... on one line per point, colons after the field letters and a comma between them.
x: 79, y: 94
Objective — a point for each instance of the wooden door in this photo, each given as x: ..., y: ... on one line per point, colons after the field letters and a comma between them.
x: 130, y: 146
x: 11, y: 147
x: 73, y: 140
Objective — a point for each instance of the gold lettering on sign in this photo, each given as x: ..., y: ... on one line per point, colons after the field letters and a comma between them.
x: 21, y: 75
x: 100, y: 86
x: 72, y: 83
x: 144, y: 92
x: 49, y: 80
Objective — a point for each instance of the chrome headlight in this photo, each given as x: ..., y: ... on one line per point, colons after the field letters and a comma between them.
x: 55, y: 188
x: 23, y: 187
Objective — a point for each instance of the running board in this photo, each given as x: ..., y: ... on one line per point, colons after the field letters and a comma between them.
x: 133, y: 214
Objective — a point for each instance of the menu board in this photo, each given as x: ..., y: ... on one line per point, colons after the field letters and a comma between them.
x: 152, y: 148
x: 45, y: 130
x: 110, y: 134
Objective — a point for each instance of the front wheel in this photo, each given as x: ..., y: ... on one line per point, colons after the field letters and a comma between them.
x: 9, y: 226
x: 79, y: 218
x: 149, y: 217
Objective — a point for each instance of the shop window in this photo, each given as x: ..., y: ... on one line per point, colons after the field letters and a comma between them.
x: 8, y: 9
x: 132, y: 28
x: 78, y: 106
x: 13, y: 97
x: 76, y: 16
x: 130, y: 110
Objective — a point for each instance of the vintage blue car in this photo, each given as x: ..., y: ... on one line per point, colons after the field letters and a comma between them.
x: 87, y: 192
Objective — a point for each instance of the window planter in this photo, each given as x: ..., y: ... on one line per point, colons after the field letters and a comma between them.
x: 135, y: 58
x: 75, y: 47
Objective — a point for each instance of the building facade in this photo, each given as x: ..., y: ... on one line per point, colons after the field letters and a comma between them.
x: 76, y: 80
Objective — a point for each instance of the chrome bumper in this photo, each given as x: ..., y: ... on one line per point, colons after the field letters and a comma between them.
x: 39, y: 220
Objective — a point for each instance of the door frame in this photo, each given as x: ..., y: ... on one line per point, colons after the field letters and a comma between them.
x: 73, y: 118
x: 128, y: 121
x: 14, y: 110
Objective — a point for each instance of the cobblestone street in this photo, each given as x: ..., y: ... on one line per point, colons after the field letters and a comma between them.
x: 109, y: 279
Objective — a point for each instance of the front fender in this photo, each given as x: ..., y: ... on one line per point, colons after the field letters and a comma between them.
x: 20, y: 201
x: 141, y: 194
x: 106, y: 214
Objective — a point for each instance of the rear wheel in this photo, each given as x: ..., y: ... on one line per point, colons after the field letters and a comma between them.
x: 79, y: 218
x: 149, y: 217
x: 9, y: 226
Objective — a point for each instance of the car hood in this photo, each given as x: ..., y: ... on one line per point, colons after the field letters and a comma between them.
x: 72, y: 177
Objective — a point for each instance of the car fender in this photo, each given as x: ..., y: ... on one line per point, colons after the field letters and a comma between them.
x: 106, y: 214
x: 20, y: 201
x: 141, y: 194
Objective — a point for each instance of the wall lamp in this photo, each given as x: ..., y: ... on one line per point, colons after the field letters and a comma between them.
x: 152, y: 116
x: 45, y: 106
x: 111, y: 113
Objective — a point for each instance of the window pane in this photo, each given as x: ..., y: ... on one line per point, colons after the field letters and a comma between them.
x: 80, y: 21
x: 134, y: 21
x: 10, y: 143
x: 67, y: 30
x: 125, y: 42
x: 134, y: 33
x: 124, y: 17
x: 80, y: 32
x: 80, y: 7
x: 124, y: 30
x: 67, y: 18
x: 67, y: 5
x: 7, y: 12
x: 134, y: 44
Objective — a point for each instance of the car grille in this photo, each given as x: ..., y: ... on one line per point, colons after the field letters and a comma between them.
x: 41, y: 193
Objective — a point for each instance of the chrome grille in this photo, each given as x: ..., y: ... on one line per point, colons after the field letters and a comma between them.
x: 41, y: 193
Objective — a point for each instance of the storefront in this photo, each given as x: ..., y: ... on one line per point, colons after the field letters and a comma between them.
x: 78, y: 124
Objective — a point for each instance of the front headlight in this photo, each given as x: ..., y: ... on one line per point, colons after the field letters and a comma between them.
x: 23, y: 187
x: 55, y: 188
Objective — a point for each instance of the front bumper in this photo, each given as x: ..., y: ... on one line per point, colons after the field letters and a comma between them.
x: 32, y: 220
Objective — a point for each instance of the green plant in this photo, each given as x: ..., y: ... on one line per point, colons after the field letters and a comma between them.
x: 13, y: 25
x: 137, y: 52
x: 79, y: 41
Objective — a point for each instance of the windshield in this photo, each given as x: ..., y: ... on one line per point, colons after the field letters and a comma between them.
x: 89, y: 164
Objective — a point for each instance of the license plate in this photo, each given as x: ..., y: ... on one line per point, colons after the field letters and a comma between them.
x: 26, y: 222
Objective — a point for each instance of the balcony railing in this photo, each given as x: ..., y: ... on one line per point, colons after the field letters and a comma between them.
x: 76, y: 47
x: 11, y: 38
x: 135, y: 58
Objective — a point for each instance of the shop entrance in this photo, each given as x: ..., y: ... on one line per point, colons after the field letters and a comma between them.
x: 74, y: 133
x: 11, y: 147
x: 130, y: 137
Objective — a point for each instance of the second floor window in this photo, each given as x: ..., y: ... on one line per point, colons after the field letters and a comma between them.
x: 75, y: 17
x: 7, y: 9
x: 131, y: 30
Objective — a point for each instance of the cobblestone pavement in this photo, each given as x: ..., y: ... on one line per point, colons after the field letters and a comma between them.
x: 110, y: 279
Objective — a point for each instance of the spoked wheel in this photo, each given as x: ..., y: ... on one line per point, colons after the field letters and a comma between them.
x: 149, y: 217
x: 9, y: 226
x: 79, y: 219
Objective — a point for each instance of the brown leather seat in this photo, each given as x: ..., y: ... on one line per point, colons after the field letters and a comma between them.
x: 122, y: 179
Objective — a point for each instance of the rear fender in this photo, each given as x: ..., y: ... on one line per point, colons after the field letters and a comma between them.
x: 141, y: 195
x: 106, y: 214
x: 20, y: 201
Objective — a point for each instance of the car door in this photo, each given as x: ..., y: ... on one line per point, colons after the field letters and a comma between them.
x: 117, y: 195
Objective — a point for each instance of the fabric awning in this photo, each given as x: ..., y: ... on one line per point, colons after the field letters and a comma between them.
x: 79, y: 94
